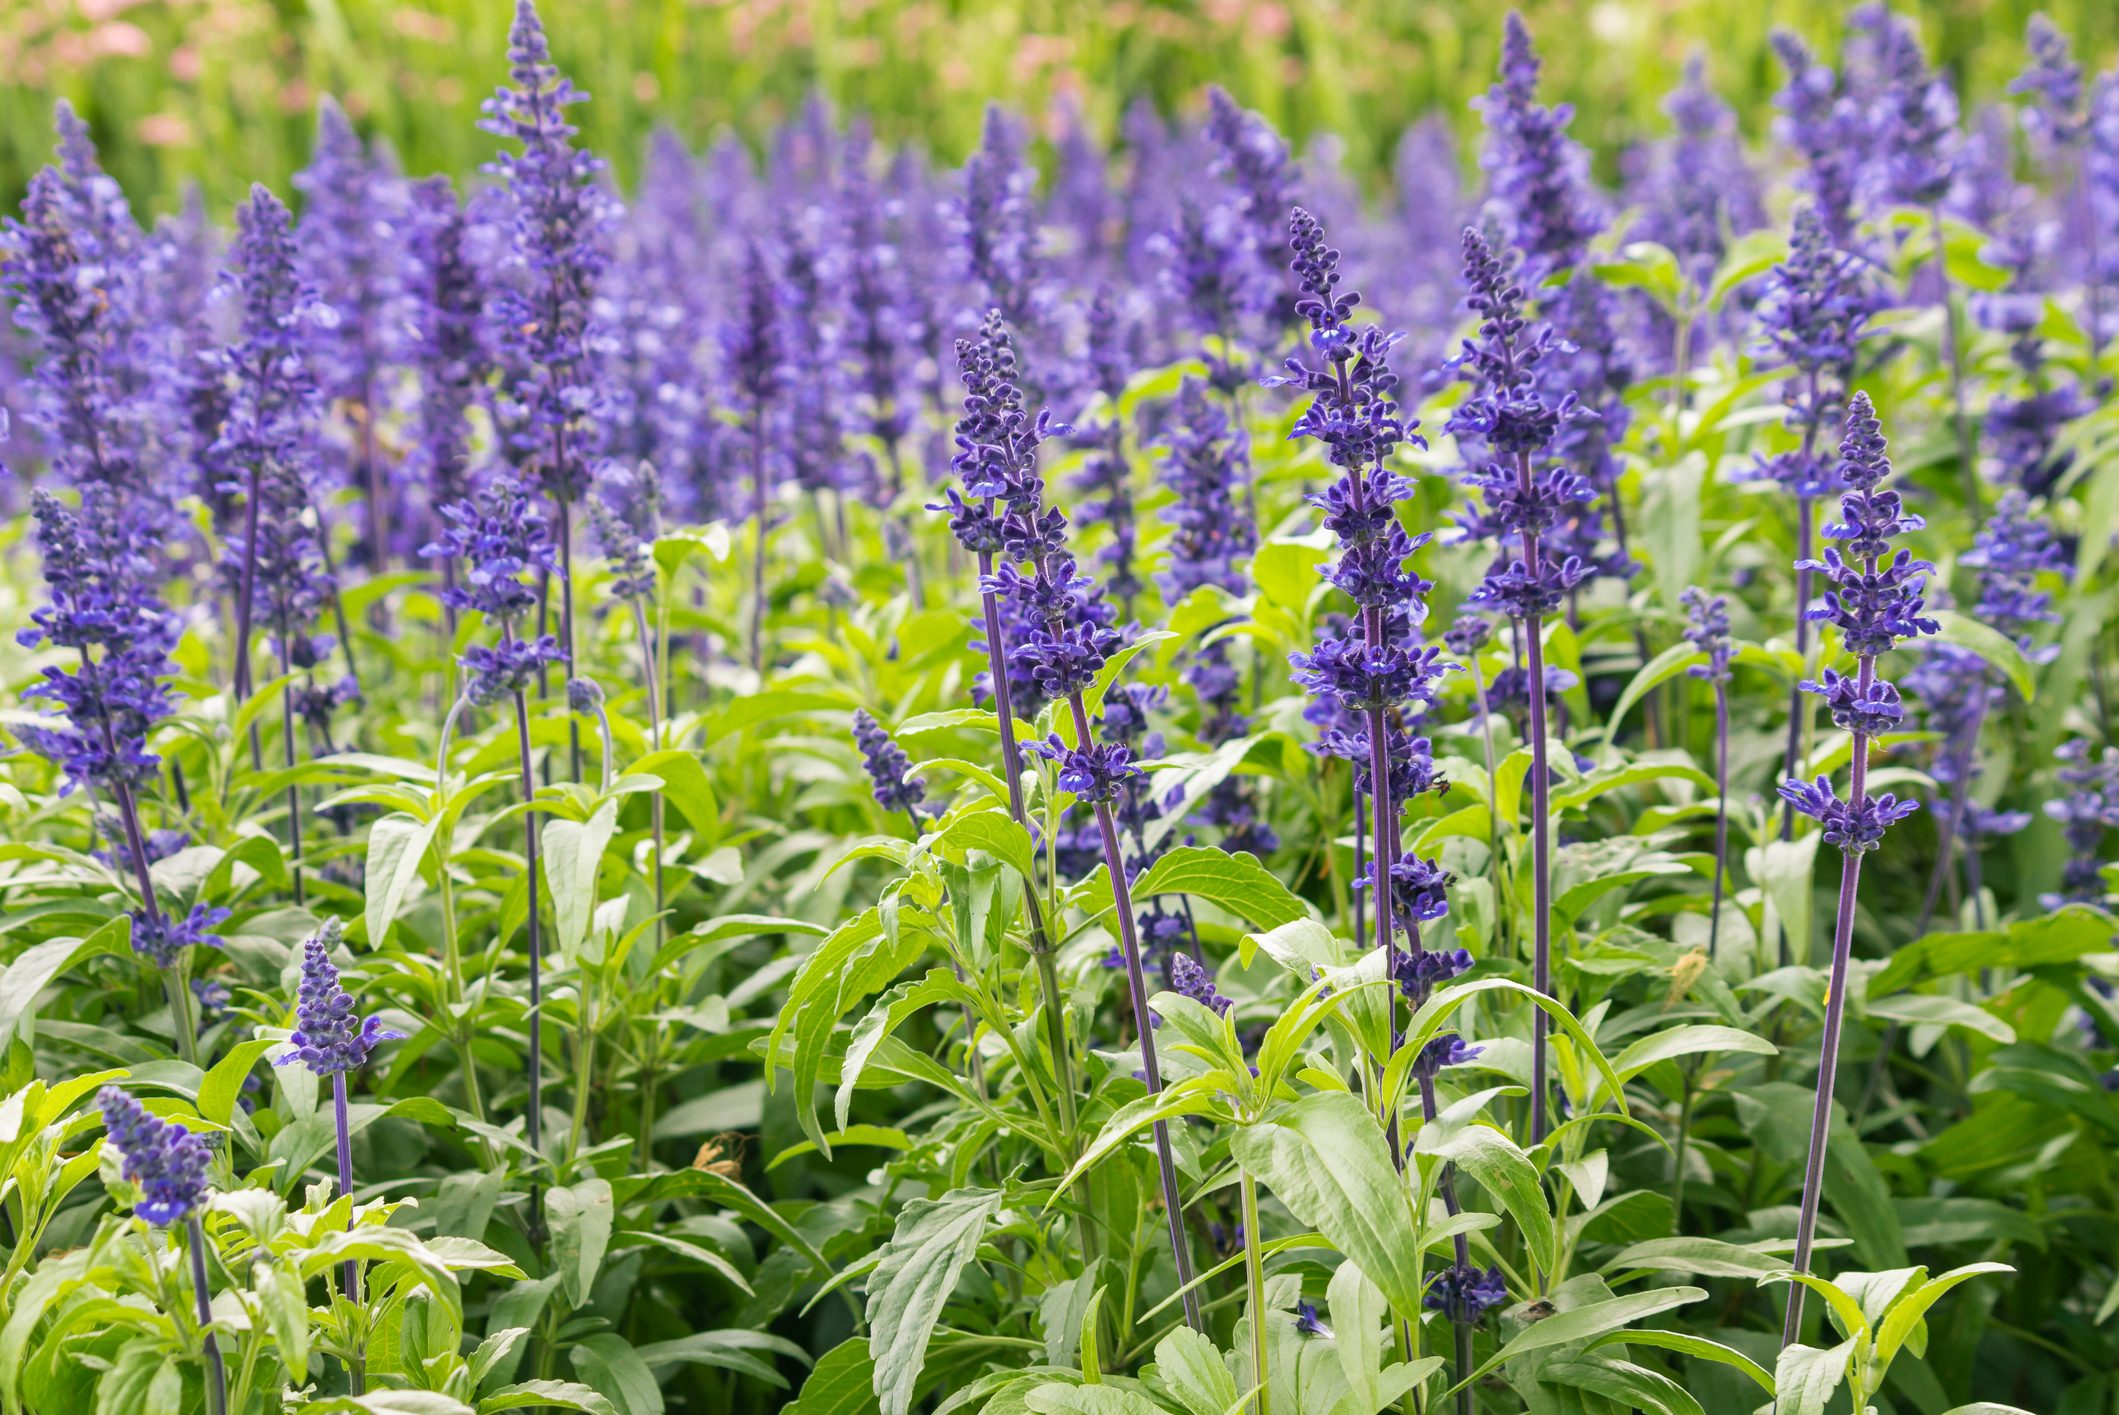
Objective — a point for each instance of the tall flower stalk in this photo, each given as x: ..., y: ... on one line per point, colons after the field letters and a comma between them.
x: 1067, y: 641
x: 1512, y: 417
x: 500, y: 539
x: 753, y: 360
x: 993, y: 417
x: 102, y: 610
x: 1380, y: 672
x: 559, y: 245
x: 625, y: 516
x: 1812, y: 317
x: 169, y: 1165
x: 1875, y: 602
x: 1708, y: 629
x: 330, y: 1039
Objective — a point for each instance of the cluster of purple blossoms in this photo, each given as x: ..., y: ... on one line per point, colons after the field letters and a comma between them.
x: 497, y: 539
x: 625, y: 516
x: 160, y: 937
x: 2087, y: 808
x: 1824, y: 123
x: 1913, y: 125
x: 165, y: 1160
x: 559, y: 216
x: 1202, y: 463
x: 2052, y: 81
x: 1538, y: 177
x: 1874, y: 602
x: 1812, y: 317
x: 1464, y: 1293
x: 1189, y: 979
x: 997, y: 223
x: 448, y: 342
x: 329, y: 1036
x: 1511, y: 418
x: 1107, y: 476
x: 1701, y: 191
x: 2011, y: 551
x: 100, y: 607
x: 1253, y: 161
x: 889, y: 769
x: 1707, y: 629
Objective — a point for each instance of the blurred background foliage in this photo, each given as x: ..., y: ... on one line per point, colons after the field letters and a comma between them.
x: 221, y: 91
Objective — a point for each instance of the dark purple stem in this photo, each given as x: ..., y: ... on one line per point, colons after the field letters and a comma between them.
x: 350, y: 1270
x: 1528, y: 630
x: 1151, y: 1070
x: 1828, y: 1046
x: 216, y: 1373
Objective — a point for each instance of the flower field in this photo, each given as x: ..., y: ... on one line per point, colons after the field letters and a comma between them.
x: 828, y: 781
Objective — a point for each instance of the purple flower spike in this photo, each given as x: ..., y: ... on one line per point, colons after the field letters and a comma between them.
x: 328, y: 1037
x: 159, y: 938
x: 889, y: 769
x: 165, y: 1160
x: 1095, y: 773
x: 1465, y: 1293
x: 1188, y: 979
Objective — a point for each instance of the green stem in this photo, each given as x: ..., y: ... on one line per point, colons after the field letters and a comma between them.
x: 1255, y: 1276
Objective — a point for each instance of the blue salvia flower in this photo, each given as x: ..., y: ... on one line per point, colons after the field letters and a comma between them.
x: 817, y: 455
x: 1253, y: 160
x: 884, y: 332
x: 1211, y: 275
x: 330, y: 1037
x: 1703, y: 191
x: 161, y: 938
x: 166, y: 1161
x: 1913, y: 132
x: 559, y: 227
x: 92, y: 419
x: 1201, y: 466
x: 1812, y: 317
x: 2086, y: 808
x: 1874, y: 603
x: 1107, y: 474
x: 1823, y: 123
x: 102, y: 609
x: 499, y: 538
x: 2009, y: 554
x: 1189, y: 979
x: 1707, y: 628
x: 2052, y: 81
x: 448, y: 347
x: 1538, y: 177
x: 357, y: 220
x: 889, y: 769
x: 1464, y: 1293
x: 2024, y: 431
x: 625, y: 516
x: 997, y: 223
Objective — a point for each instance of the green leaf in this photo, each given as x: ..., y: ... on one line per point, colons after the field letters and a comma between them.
x: 1748, y: 257
x: 1998, y: 649
x: 1505, y: 1172
x: 1324, y: 1157
x: 1237, y: 883
x: 581, y: 1219
x: 1057, y: 1398
x: 573, y: 854
x: 1689, y: 1040
x: 223, y: 1085
x: 842, y: 1383
x: 1906, y: 1313
x: 1634, y: 1387
x: 1806, y: 1376
x: 397, y: 844
x: 610, y: 1365
x: 1689, y: 1345
x: 1582, y: 1323
x: 1702, y: 1257
x: 684, y: 785
x: 998, y: 835
x: 1936, y: 1010
x: 35, y: 967
x: 546, y: 1395
x: 914, y: 1274
x: 1659, y: 670
x: 1192, y: 1367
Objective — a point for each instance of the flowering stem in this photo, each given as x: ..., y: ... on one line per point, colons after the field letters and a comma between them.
x: 1828, y: 1047
x: 1721, y: 817
x: 566, y: 616
x: 1799, y: 701
x: 246, y: 590
x: 1528, y: 630
x: 350, y: 1270
x: 654, y: 724
x: 294, y: 792
x: 216, y: 1373
x: 532, y: 1120
x: 1967, y: 469
x: 1255, y: 1278
x: 1151, y: 1070
x: 1041, y: 947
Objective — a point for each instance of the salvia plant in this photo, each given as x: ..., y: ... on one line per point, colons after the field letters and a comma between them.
x: 861, y: 779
